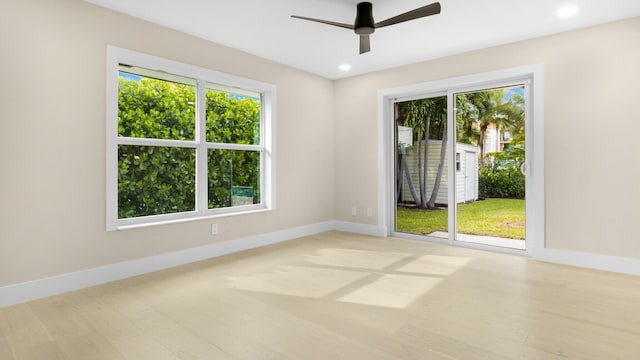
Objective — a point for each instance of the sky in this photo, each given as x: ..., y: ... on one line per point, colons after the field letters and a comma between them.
x: 510, y: 92
x: 129, y: 76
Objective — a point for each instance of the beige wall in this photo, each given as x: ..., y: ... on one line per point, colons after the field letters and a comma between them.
x: 592, y: 162
x: 52, y: 106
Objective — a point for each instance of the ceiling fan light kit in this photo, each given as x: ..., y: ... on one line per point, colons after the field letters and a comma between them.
x: 364, y: 24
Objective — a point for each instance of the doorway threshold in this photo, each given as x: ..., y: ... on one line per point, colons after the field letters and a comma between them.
x: 485, y: 240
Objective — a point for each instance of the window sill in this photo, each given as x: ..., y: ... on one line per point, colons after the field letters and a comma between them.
x: 159, y: 222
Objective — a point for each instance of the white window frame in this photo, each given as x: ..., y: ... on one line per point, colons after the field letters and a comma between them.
x: 116, y: 56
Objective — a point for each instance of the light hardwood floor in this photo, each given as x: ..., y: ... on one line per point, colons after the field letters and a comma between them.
x: 339, y: 296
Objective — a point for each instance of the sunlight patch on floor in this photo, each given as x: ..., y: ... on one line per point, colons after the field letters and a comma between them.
x: 435, y: 265
x: 294, y: 280
x: 351, y: 258
x: 396, y: 291
x: 378, y: 278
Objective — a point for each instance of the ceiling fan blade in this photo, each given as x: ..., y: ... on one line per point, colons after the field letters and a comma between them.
x: 428, y: 10
x: 365, y: 44
x: 346, y: 26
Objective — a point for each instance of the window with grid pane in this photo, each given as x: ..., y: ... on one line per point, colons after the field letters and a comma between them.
x: 182, y: 145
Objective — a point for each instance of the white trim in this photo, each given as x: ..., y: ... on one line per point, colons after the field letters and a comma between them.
x: 31, y: 290
x: 176, y: 218
x: 462, y: 244
x: 204, y: 79
x: 492, y: 248
x: 592, y: 261
x: 452, y: 210
x: 423, y: 238
x: 268, y: 141
x: 536, y: 204
x: 158, y: 142
x: 364, y: 229
x: 202, y: 153
x: 535, y: 141
x: 151, y: 62
x: 385, y: 210
x: 111, y: 128
x: 611, y: 263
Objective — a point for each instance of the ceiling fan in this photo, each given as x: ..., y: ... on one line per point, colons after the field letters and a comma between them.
x: 365, y: 26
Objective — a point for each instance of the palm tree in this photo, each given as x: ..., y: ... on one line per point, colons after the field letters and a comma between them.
x: 425, y: 117
x: 477, y: 111
x: 443, y: 151
x: 403, y: 166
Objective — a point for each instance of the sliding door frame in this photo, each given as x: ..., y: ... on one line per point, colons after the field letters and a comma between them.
x: 532, y: 76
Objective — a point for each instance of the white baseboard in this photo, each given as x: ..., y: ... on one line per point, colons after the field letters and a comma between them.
x: 617, y: 264
x: 363, y: 229
x: 27, y: 291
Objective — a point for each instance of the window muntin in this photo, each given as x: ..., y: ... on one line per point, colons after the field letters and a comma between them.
x: 184, y: 142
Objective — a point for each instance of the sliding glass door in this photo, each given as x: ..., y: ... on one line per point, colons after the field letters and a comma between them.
x: 421, y: 167
x: 471, y: 189
x: 490, y: 189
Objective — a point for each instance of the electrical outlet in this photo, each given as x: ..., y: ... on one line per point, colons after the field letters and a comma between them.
x: 354, y: 211
x: 214, y: 229
x: 369, y: 212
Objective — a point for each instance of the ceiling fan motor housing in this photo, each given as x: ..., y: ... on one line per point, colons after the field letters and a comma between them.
x: 364, y: 19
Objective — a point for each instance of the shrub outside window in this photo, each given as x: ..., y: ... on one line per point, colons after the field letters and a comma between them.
x: 184, y: 142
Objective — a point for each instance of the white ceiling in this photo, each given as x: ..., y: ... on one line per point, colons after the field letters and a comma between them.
x: 265, y: 28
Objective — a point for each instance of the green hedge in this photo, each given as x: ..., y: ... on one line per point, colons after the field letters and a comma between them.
x: 501, y: 179
x: 159, y: 180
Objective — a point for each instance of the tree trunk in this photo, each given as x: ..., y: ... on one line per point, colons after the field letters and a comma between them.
x: 420, y: 178
x: 412, y: 187
x: 436, y: 185
x: 425, y: 168
x: 483, y: 131
x: 399, y: 174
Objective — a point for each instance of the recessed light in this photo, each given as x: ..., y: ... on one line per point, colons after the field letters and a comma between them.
x: 567, y: 11
x: 344, y: 67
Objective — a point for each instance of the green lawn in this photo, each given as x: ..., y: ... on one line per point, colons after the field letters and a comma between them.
x: 491, y: 217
